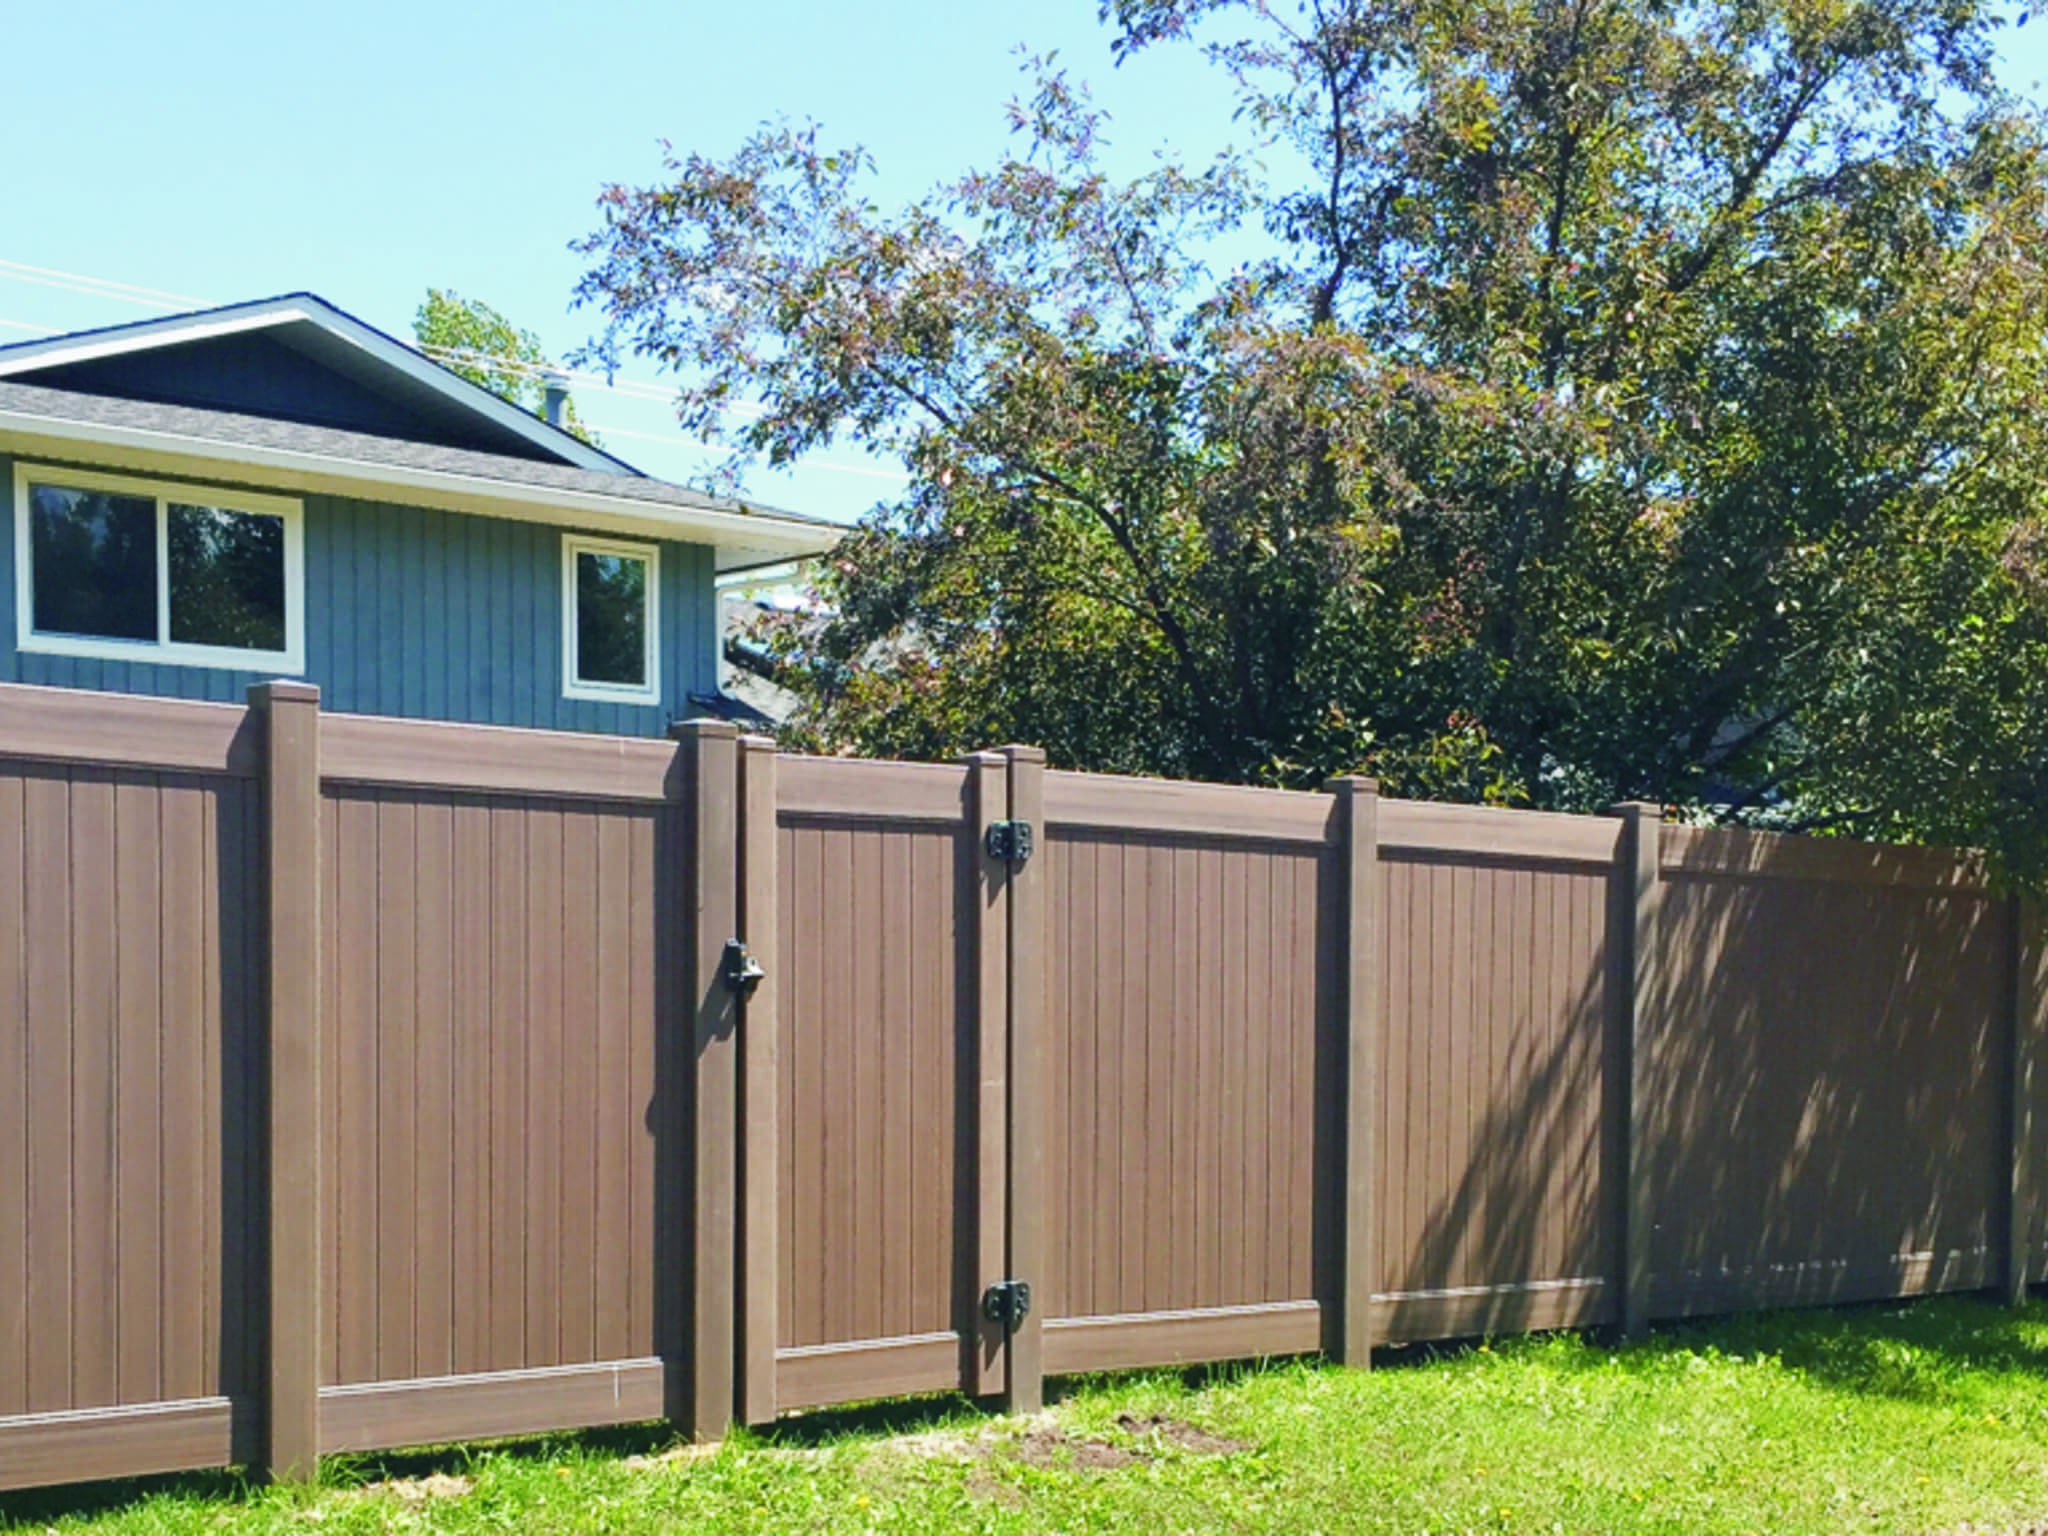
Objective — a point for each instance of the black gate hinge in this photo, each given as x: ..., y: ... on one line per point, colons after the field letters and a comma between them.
x: 739, y: 967
x: 1009, y: 841
x: 1007, y: 1302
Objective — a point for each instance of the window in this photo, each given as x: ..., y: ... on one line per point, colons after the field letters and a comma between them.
x: 134, y: 570
x: 611, y: 621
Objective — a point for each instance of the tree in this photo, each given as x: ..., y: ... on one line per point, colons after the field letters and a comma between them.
x: 1638, y: 402
x: 468, y: 337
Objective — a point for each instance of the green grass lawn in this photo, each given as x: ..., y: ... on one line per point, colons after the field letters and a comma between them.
x: 1931, y: 1418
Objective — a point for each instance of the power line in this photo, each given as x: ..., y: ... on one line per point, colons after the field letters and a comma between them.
x: 676, y: 439
x: 526, y: 368
x: 106, y: 282
x: 43, y: 277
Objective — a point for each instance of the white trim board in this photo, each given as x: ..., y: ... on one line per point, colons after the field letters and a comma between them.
x: 741, y: 538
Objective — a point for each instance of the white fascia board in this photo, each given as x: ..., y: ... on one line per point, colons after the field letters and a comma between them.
x: 145, y: 335
x: 267, y: 314
x: 741, y: 538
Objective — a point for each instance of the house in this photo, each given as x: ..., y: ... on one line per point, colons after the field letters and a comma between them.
x: 276, y: 489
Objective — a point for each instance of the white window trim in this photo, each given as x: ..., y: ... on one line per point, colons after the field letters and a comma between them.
x: 574, y: 687
x: 289, y: 661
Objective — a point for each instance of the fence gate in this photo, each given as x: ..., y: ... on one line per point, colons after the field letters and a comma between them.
x: 876, y: 1101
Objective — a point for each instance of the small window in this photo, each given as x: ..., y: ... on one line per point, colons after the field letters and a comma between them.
x: 129, y: 570
x: 611, y: 624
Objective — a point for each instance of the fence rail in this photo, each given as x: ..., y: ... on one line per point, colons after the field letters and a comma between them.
x: 368, y: 1082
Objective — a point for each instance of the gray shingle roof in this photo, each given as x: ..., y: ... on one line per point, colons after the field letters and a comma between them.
x: 228, y: 429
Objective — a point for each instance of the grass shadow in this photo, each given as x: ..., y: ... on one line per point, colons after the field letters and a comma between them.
x: 811, y: 1428
x: 359, y: 1469
x: 1905, y: 1350
x: 1910, y: 1351
x: 36, y: 1508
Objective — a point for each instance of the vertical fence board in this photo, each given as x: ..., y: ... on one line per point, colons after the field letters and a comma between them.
x: 397, y: 1110
x: 189, y: 1063
x: 583, y: 1027
x: 434, y: 1223
x: 543, y: 1145
x: 15, y: 1142
x: 2029, y: 1077
x: 239, y: 1009
x: 45, y: 878
x: 351, y: 847
x: 800, y: 1127
x: 509, y: 1050
x: 611, y: 1091
x: 895, y: 986
x: 867, y: 1110
x: 644, y: 1110
x: 472, y: 1020
x: 1646, y: 1021
x: 138, y: 1144
x: 760, y: 1132
x: 95, y: 1117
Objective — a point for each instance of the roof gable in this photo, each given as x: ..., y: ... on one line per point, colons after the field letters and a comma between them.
x: 297, y: 359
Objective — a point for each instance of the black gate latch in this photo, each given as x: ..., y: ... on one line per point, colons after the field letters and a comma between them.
x: 1007, y: 1302
x: 739, y: 967
x: 1009, y: 841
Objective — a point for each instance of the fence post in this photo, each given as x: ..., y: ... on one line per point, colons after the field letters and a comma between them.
x: 760, y: 1131
x: 988, y: 773
x: 291, y: 804
x: 2029, y: 997
x: 1024, y: 1386
x: 1358, y: 802
x: 711, y: 750
x: 1641, y: 906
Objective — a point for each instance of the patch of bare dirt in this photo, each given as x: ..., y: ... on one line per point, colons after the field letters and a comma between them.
x: 675, y: 1456
x: 939, y: 1445
x: 1188, y: 1437
x: 422, y: 1490
x: 1042, y: 1443
x: 1050, y: 1446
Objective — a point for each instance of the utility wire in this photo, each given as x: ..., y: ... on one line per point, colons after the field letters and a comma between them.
x: 528, y: 369
x: 673, y: 439
x: 98, y: 287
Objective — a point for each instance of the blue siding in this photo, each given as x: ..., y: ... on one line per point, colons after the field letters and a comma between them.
x: 425, y: 614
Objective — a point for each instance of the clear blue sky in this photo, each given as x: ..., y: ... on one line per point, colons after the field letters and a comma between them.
x: 228, y: 150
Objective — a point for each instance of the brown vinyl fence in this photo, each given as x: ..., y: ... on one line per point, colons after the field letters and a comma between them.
x: 367, y: 1083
